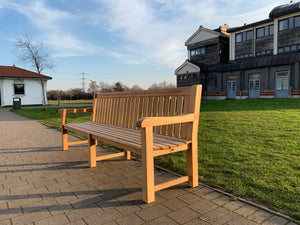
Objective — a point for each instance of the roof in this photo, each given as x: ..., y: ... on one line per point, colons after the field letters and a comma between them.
x: 278, y: 11
x: 201, y: 29
x: 249, y: 25
x: 285, y: 10
x: 257, y: 62
x: 16, y: 72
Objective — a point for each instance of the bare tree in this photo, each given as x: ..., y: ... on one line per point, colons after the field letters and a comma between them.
x: 135, y: 87
x: 93, y: 87
x: 161, y: 85
x: 36, y: 54
x: 104, y: 87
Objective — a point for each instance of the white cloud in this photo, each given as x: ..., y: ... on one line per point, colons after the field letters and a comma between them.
x: 53, y: 26
x: 156, y: 30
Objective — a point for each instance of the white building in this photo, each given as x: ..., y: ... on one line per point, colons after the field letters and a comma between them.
x: 17, y: 82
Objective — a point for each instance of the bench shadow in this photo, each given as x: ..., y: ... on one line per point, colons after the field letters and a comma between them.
x: 100, y: 199
x: 29, y: 150
x: 52, y: 166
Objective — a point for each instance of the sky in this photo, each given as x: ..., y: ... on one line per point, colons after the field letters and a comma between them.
x: 130, y: 41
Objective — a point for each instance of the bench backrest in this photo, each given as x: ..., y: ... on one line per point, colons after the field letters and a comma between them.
x: 125, y: 108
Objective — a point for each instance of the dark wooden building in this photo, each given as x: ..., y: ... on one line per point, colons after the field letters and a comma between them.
x: 255, y: 60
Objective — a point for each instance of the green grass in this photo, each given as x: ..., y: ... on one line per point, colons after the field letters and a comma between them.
x: 248, y: 147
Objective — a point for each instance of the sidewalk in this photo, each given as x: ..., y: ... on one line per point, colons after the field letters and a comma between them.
x: 41, y: 184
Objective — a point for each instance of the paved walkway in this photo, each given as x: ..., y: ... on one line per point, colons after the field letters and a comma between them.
x: 41, y: 184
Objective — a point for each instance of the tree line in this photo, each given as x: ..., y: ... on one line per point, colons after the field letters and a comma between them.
x: 78, y: 94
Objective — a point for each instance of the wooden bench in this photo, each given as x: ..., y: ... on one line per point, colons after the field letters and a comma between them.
x: 149, y: 123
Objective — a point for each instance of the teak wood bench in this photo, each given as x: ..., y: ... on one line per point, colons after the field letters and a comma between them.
x: 149, y: 123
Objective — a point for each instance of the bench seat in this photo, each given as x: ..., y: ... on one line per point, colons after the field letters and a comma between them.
x: 127, y: 138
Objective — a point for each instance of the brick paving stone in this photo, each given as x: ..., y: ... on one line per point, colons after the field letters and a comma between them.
x: 233, y: 205
x: 76, y: 214
x: 59, y: 209
x: 23, y: 188
x: 275, y: 220
x: 219, y: 216
x: 21, y: 201
x: 108, y: 205
x: 174, y: 204
x: 43, y: 204
x: 27, y: 218
x: 82, y: 202
x: 203, y: 206
x: 55, y: 220
x: 189, y: 198
x: 162, y: 220
x: 9, y: 213
x: 111, y: 223
x: 203, y: 191
x: 5, y: 222
x: 211, y: 195
x: 246, y: 210
x: 103, y: 217
x: 291, y: 223
x: 153, y: 212
x: 221, y: 200
x: 198, y: 221
x: 130, y: 219
x: 171, y: 193
x: 240, y: 221
x: 77, y: 222
x: 184, y: 215
x: 259, y: 216
x: 128, y: 209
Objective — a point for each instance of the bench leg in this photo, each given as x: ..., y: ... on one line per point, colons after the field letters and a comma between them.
x: 148, y: 165
x: 127, y: 155
x: 64, y: 133
x: 192, y: 165
x: 92, y: 152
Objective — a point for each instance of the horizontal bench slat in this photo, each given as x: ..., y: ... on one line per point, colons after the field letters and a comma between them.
x: 160, y: 142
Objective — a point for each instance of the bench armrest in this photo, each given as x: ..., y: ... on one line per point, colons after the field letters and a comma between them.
x: 158, y: 121
x: 81, y: 110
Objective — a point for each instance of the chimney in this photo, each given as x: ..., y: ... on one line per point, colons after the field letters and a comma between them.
x: 224, y: 28
x: 292, y: 2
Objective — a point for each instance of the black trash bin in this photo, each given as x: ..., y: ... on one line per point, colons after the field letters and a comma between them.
x: 16, y: 103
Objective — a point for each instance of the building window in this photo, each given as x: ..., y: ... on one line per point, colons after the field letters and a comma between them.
x: 249, y: 35
x: 283, y: 24
x: 260, y: 32
x: 297, y: 21
x: 239, y: 37
x: 244, y: 36
x: 19, y: 89
x: 291, y: 48
x: 271, y: 29
x: 267, y: 52
x: 265, y: 31
x: 198, y: 51
x: 280, y: 50
x: 289, y: 23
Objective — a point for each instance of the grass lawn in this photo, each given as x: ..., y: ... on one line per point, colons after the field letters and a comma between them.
x: 54, y: 102
x: 248, y: 147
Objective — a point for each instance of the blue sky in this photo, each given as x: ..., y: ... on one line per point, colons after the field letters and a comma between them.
x: 132, y: 41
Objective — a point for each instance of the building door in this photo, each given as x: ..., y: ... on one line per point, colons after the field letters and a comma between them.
x: 282, y: 84
x: 254, y: 86
x: 231, y: 88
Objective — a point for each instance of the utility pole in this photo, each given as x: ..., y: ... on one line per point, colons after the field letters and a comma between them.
x: 83, y: 78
